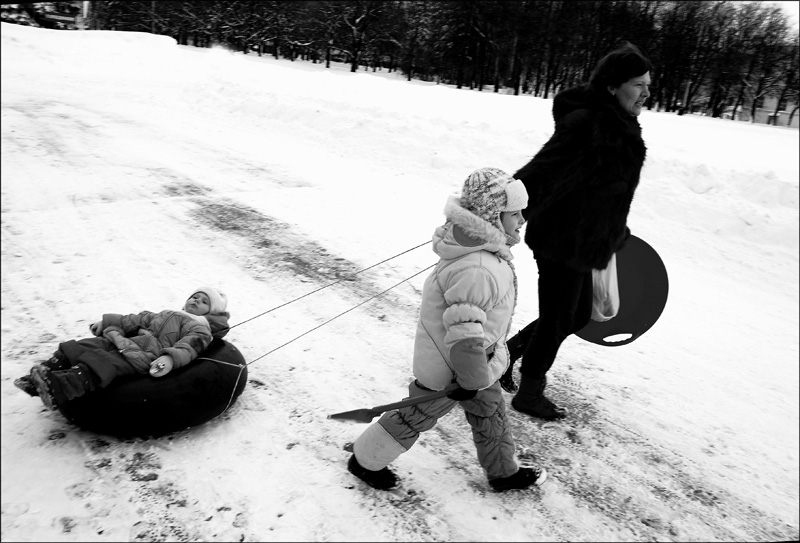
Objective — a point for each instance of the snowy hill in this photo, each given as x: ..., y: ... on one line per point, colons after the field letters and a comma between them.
x: 134, y: 170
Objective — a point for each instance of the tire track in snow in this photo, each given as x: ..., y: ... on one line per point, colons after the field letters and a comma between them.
x: 596, y: 473
x: 161, y: 508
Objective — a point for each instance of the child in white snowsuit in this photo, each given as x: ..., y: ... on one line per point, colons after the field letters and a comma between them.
x: 467, y: 304
x: 131, y: 344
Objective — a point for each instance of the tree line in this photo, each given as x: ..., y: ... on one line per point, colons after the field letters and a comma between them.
x: 709, y: 56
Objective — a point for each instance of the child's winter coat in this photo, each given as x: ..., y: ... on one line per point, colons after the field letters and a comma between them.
x: 143, y: 337
x: 467, y: 305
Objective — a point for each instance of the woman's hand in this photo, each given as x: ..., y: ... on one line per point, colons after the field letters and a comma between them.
x: 161, y: 366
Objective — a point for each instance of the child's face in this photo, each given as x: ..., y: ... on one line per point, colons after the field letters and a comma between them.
x: 198, y: 304
x: 512, y: 222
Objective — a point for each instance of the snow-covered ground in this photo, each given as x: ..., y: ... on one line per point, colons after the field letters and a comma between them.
x: 134, y: 170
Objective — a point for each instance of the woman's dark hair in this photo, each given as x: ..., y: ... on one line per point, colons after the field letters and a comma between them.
x: 618, y: 66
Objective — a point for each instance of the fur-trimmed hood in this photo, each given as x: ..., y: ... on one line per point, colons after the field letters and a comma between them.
x: 487, y: 236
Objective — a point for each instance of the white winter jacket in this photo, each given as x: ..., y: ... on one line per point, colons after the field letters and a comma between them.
x: 467, y: 304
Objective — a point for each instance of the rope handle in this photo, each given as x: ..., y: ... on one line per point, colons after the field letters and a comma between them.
x: 340, y: 314
x: 328, y: 285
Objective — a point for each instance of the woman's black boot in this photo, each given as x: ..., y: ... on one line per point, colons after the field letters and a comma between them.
x: 507, y: 380
x: 530, y: 399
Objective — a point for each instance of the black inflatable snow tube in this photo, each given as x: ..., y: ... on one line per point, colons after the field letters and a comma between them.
x: 144, y: 406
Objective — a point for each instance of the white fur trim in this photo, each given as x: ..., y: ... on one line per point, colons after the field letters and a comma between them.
x: 473, y: 225
x: 478, y: 228
x: 516, y: 195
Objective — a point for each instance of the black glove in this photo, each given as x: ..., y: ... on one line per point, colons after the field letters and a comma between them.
x: 461, y: 394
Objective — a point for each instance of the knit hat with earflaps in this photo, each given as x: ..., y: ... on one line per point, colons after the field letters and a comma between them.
x: 488, y: 191
x: 217, y: 300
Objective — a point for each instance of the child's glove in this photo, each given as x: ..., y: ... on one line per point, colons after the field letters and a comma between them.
x: 161, y: 366
x: 461, y: 394
x: 97, y: 328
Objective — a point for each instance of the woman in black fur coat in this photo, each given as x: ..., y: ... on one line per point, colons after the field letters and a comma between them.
x: 580, y: 187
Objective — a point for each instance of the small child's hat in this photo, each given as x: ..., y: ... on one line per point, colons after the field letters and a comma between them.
x: 488, y: 191
x: 217, y: 300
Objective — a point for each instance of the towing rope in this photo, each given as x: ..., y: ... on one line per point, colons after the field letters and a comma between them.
x: 330, y: 285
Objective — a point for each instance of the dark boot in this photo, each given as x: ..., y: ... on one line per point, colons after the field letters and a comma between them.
x: 516, y: 348
x: 507, y: 380
x: 58, y: 387
x: 57, y: 362
x: 531, y: 400
x: 525, y: 477
x: 26, y: 384
x: 383, y: 479
x: 519, y: 342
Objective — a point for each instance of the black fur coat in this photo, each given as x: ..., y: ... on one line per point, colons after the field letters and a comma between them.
x: 581, y: 183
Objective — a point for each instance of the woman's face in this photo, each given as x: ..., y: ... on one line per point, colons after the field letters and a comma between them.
x: 632, y: 94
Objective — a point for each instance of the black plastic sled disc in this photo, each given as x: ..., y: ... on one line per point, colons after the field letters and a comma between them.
x: 643, y: 290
